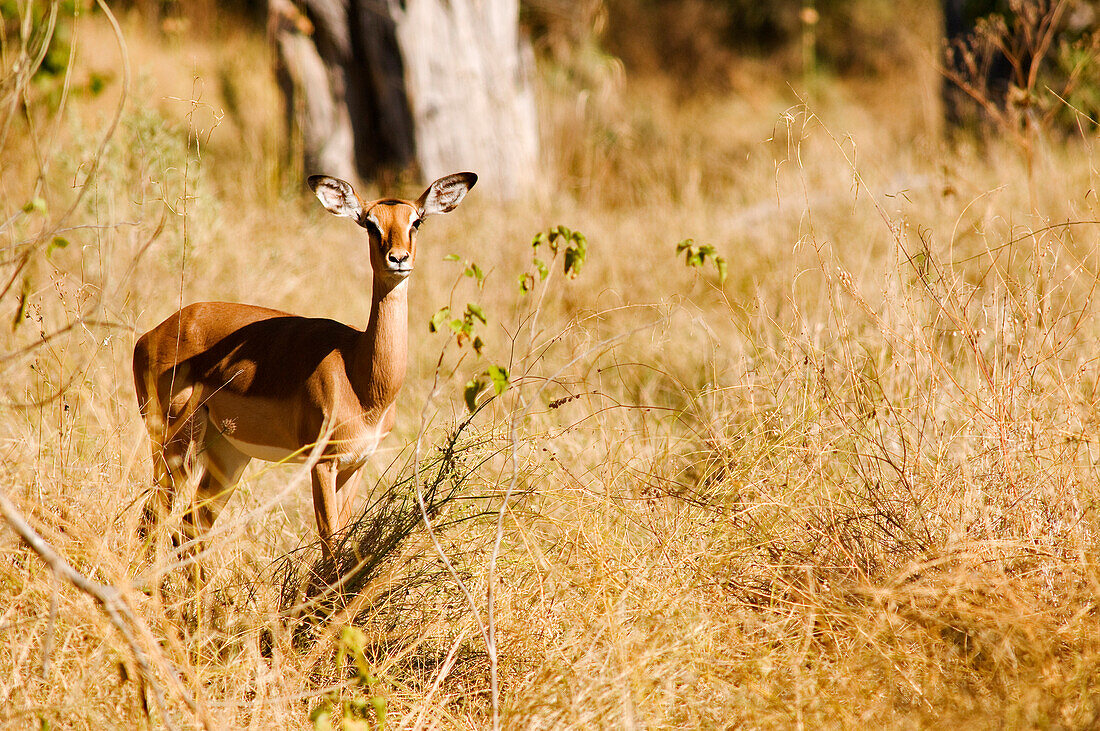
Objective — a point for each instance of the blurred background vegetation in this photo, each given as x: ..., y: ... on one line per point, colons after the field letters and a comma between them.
x: 975, y: 67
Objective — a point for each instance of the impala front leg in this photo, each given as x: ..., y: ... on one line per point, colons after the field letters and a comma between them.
x: 347, y: 489
x: 327, y: 481
x: 332, y: 503
x: 325, y: 506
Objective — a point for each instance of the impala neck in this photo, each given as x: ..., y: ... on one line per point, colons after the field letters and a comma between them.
x: 382, y: 351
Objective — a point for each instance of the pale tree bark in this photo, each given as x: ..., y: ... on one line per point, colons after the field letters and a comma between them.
x: 317, y: 118
x: 469, y: 81
x: 377, y: 87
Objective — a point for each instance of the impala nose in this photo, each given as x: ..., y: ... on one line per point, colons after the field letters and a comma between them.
x: 398, y: 259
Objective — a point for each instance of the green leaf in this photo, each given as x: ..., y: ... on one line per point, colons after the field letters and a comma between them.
x: 561, y: 238
x: 321, y: 717
x: 363, y: 667
x: 473, y: 270
x: 574, y: 258
x: 452, y: 257
x: 526, y: 283
x: 379, y: 704
x: 499, y: 376
x: 457, y: 326
x: 35, y: 204
x: 696, y: 256
x: 21, y: 309
x: 353, y: 639
x: 478, y: 344
x: 97, y: 82
x: 473, y: 388
x: 438, y: 319
x: 57, y: 243
x: 476, y: 311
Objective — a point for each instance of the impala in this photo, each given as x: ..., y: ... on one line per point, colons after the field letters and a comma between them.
x: 219, y: 384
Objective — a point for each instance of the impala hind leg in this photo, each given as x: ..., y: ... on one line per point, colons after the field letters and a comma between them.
x: 177, y: 460
x: 171, y: 414
x: 159, y: 503
x: 219, y: 468
x: 174, y: 448
x: 222, y: 465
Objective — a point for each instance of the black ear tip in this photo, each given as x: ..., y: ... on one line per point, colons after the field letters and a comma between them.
x: 314, y: 181
x: 471, y: 178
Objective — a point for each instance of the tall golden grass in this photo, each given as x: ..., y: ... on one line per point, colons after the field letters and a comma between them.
x: 853, y: 485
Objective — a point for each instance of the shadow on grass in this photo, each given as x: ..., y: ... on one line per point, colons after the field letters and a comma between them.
x: 313, y: 588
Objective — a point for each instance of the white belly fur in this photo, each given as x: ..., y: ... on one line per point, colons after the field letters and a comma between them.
x: 266, y: 453
x: 351, y: 453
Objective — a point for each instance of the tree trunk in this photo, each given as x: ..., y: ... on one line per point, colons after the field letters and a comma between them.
x: 468, y: 73
x: 312, y: 81
x: 376, y: 87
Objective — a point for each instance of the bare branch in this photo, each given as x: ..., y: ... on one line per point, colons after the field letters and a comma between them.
x: 114, y: 604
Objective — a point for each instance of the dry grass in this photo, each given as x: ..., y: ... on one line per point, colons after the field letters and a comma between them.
x: 853, y: 486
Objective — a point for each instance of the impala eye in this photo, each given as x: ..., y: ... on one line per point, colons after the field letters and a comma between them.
x: 416, y: 223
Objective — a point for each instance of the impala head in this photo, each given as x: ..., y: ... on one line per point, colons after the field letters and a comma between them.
x: 391, y: 224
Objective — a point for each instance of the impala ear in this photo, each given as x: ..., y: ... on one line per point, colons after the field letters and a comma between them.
x: 444, y: 194
x: 336, y: 196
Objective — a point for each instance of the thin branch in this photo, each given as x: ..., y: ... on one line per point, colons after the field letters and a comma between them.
x: 114, y: 604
